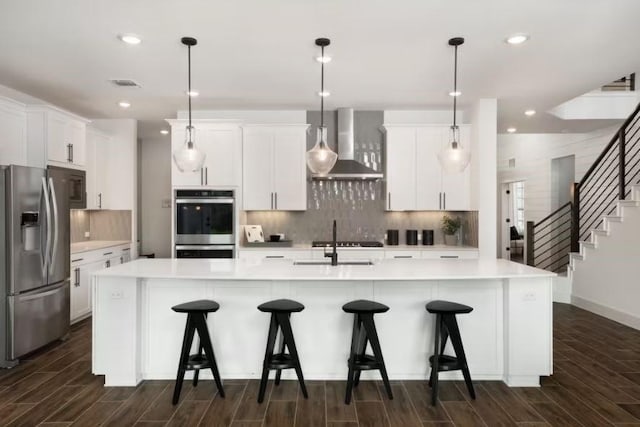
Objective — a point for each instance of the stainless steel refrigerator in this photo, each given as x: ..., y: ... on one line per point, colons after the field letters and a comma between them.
x: 34, y: 259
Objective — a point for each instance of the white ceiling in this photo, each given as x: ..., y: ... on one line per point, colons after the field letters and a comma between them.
x: 256, y: 54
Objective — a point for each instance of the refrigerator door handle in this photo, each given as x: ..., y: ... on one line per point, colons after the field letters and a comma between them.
x: 47, y: 204
x: 55, y: 221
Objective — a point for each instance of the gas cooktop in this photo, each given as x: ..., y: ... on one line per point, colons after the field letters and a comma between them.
x: 347, y: 244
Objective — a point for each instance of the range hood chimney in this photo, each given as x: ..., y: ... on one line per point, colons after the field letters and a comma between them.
x: 346, y: 168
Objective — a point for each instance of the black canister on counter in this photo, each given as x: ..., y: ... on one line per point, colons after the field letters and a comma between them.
x: 393, y: 237
x: 427, y: 237
x: 412, y: 237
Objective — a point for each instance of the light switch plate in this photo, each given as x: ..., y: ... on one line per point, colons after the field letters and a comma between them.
x: 87, y: 234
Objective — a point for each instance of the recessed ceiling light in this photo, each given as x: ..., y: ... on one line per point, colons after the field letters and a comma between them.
x: 130, y: 38
x: 530, y: 113
x: 511, y: 130
x: 193, y: 93
x: 517, y: 39
x: 164, y: 132
x: 456, y: 93
x: 323, y: 59
x: 323, y: 94
x: 124, y: 104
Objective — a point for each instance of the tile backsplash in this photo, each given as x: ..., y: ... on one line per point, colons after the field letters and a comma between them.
x: 101, y: 225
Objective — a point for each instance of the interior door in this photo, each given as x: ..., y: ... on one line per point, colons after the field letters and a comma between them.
x: 27, y: 231
x: 58, y: 183
x: 290, y: 170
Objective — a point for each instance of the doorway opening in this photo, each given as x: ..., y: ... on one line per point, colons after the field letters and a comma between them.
x: 513, y: 222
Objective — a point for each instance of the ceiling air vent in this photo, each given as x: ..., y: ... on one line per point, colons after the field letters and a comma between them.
x: 124, y: 83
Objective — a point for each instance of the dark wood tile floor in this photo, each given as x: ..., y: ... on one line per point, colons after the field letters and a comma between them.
x: 596, y: 383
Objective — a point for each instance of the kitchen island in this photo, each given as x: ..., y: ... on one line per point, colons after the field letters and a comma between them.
x: 508, y: 336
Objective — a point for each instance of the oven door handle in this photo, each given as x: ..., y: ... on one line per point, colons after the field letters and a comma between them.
x: 203, y: 247
x: 205, y: 201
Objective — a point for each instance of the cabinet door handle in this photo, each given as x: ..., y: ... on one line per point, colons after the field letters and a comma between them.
x: 276, y: 199
x: 389, y: 200
x: 444, y: 201
x: 121, y: 260
x: 449, y: 256
x: 71, y: 153
x: 77, y: 260
x: 100, y: 200
x: 271, y: 200
x: 206, y: 176
x: 439, y: 200
x: 77, y: 277
x: 107, y: 263
x: 202, y: 176
x: 403, y: 256
x: 274, y: 256
x: 107, y: 253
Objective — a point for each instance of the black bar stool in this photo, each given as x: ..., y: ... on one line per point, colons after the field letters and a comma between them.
x: 364, y: 330
x: 196, y: 321
x: 447, y: 325
x: 280, y: 310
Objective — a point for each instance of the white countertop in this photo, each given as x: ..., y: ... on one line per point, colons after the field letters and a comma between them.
x: 307, y: 246
x: 285, y: 270
x: 92, y: 245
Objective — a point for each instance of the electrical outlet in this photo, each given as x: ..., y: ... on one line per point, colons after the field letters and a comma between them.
x: 116, y: 295
x: 529, y: 296
x: 87, y: 234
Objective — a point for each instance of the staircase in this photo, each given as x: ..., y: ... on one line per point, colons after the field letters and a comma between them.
x: 571, y: 234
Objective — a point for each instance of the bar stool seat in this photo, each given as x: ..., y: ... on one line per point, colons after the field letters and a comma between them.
x: 199, y: 306
x: 281, y: 306
x: 205, y: 358
x: 447, y: 307
x: 364, y: 331
x: 280, y: 310
x: 364, y: 306
x: 446, y: 327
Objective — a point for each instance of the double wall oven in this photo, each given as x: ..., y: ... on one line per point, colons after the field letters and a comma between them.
x: 204, y: 224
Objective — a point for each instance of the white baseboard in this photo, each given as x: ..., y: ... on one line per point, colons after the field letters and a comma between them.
x: 628, y: 319
x: 563, y: 297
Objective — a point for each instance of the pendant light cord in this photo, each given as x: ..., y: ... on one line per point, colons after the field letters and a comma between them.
x: 189, y: 91
x: 322, y: 88
x: 455, y: 85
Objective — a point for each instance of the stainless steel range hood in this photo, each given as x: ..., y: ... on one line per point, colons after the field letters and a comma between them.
x: 346, y: 168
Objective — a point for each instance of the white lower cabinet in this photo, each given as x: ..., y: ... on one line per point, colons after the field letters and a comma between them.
x: 292, y: 254
x: 83, y: 265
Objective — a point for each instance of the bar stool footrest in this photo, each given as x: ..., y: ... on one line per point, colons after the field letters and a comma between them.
x: 446, y: 363
x: 365, y: 362
x: 197, y: 361
x: 281, y: 361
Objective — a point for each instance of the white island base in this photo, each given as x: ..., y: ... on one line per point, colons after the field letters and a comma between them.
x: 508, y: 336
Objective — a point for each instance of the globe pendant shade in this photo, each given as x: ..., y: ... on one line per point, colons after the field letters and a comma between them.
x: 189, y: 158
x: 321, y: 158
x: 454, y: 158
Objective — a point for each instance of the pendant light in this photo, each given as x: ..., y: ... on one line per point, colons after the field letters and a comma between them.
x: 321, y: 158
x: 189, y: 158
x: 454, y: 158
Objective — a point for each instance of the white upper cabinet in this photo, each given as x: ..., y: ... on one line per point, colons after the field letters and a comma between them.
x: 274, y: 167
x: 13, y: 128
x: 62, y: 135
x: 98, y: 145
x: 415, y: 180
x: 401, y: 169
x: 222, y: 145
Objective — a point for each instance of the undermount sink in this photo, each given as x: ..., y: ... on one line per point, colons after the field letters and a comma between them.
x: 328, y: 262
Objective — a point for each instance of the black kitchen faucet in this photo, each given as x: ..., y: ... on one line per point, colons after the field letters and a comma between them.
x: 334, y: 244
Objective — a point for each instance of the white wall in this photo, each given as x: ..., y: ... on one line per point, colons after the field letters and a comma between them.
x: 123, y: 166
x: 606, y: 281
x: 533, y: 154
x: 155, y: 186
x: 484, y: 189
